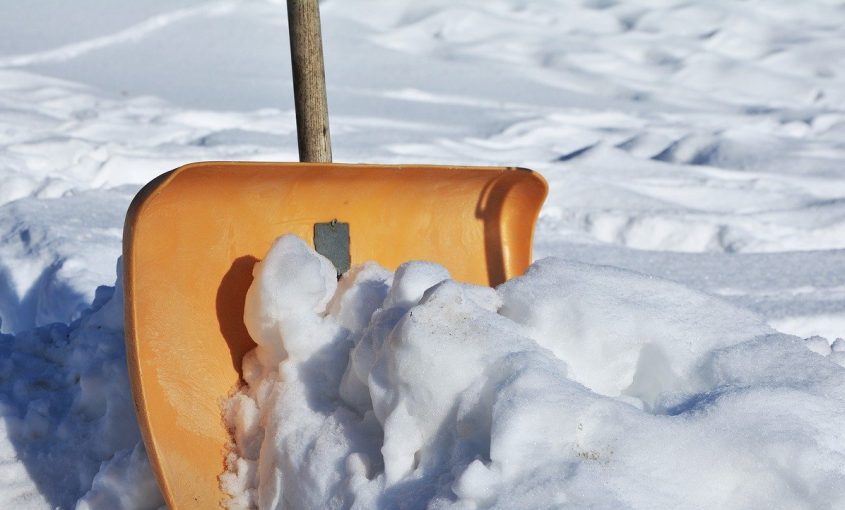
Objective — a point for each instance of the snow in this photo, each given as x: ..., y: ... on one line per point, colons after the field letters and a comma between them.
x: 68, y: 417
x: 575, y: 385
x: 698, y: 143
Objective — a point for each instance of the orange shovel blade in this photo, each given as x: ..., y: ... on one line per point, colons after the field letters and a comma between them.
x: 193, y: 235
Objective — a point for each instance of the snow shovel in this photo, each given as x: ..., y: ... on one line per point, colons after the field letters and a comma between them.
x: 192, y: 237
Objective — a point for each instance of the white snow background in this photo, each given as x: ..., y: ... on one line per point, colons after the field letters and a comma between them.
x: 699, y: 142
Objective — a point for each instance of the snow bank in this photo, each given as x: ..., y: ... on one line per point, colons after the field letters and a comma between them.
x: 70, y: 436
x: 575, y: 385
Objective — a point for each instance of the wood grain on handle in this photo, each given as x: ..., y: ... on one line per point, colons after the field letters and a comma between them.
x: 309, y: 82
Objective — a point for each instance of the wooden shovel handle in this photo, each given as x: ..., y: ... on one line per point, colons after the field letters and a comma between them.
x: 309, y: 81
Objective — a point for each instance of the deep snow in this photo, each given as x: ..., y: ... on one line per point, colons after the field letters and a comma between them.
x: 702, y: 142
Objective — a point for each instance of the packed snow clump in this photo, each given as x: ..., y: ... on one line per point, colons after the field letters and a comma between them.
x: 575, y: 385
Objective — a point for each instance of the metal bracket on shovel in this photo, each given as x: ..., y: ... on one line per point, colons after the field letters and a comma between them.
x: 331, y: 240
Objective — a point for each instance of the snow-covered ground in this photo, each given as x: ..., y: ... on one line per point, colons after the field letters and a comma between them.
x: 701, y: 142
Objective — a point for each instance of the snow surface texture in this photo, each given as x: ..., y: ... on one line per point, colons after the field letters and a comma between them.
x: 709, y: 136
x: 68, y: 420
x: 701, y: 142
x: 574, y: 386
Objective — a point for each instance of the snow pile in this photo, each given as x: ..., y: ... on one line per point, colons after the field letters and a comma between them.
x: 69, y: 435
x: 575, y: 385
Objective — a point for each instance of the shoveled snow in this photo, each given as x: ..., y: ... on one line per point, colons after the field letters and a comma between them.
x: 573, y: 386
x: 697, y: 142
